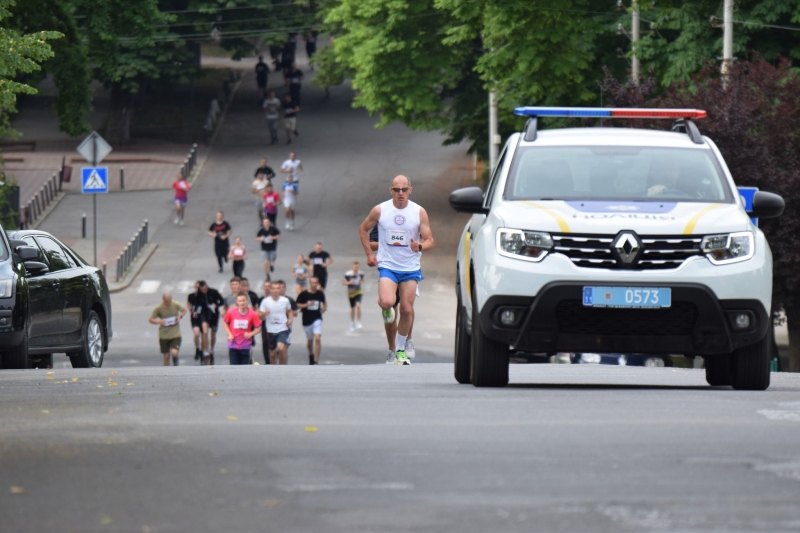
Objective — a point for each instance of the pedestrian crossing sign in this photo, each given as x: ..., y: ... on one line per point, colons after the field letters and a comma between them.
x: 94, y: 180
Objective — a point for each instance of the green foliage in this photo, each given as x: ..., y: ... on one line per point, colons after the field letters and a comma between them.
x: 19, y: 54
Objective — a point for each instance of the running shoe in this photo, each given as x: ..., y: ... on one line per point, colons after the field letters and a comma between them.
x: 359, y: 325
x: 388, y: 315
x: 287, y: 224
x: 352, y: 327
x: 390, y: 357
x: 410, y: 353
x: 401, y: 359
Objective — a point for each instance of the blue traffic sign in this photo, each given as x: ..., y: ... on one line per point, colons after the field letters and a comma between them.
x: 747, y: 194
x: 94, y: 180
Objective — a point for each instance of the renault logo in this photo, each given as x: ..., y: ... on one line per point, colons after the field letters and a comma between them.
x: 627, y: 247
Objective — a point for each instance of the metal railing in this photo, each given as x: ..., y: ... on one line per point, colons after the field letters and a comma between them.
x: 129, y: 254
x: 40, y: 201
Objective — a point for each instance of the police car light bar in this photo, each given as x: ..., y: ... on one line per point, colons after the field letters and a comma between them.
x: 604, y: 112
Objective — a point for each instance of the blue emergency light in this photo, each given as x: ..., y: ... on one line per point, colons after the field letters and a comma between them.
x: 604, y: 112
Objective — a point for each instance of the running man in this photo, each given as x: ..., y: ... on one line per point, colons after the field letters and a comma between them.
x: 352, y: 280
x: 272, y: 108
x: 195, y: 303
x: 404, y: 233
x: 290, y: 192
x: 221, y: 230
x: 321, y: 261
x: 277, y: 312
x: 264, y: 170
x: 262, y: 76
x: 312, y: 303
x: 268, y: 236
x: 167, y: 316
x: 214, y: 302
x: 290, y: 110
x: 264, y: 332
x: 181, y: 187
x: 271, y: 201
x: 295, y: 312
x: 241, y: 324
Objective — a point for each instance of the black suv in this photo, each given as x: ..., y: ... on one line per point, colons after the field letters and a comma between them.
x: 51, y: 301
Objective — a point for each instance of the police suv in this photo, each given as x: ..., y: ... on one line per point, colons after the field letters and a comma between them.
x: 614, y: 240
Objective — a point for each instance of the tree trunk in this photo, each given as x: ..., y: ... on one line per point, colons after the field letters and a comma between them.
x: 793, y: 325
x: 118, y: 125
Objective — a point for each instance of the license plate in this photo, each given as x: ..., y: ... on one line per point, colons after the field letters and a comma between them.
x: 629, y: 297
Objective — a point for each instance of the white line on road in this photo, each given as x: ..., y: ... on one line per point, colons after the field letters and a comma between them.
x: 148, y: 286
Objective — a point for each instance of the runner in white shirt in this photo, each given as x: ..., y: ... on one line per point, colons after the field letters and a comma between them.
x: 294, y: 167
x: 276, y: 311
x: 404, y: 232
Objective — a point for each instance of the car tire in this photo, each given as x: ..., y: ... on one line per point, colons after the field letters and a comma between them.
x: 463, y: 353
x: 718, y: 370
x: 46, y: 361
x: 489, y: 365
x: 750, y: 365
x: 17, y: 358
x: 91, y: 353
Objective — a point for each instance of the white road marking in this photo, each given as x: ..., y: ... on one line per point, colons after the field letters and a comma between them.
x: 320, y: 487
x: 130, y: 362
x: 148, y: 286
x: 431, y: 335
x: 185, y: 286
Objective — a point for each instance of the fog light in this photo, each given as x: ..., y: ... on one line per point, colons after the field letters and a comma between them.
x: 591, y: 358
x: 508, y: 317
x: 742, y: 321
x: 3, y: 321
x: 622, y: 361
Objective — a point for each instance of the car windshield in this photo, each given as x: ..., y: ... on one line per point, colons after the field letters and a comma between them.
x: 616, y: 173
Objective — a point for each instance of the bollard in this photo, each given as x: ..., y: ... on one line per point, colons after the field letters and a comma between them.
x: 56, y: 182
x: 83, y: 226
x: 45, y: 195
x: 50, y: 189
x: 121, y: 178
x: 146, y: 234
x: 38, y: 206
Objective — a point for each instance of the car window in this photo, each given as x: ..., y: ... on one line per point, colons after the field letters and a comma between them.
x: 56, y: 256
x: 617, y: 173
x: 493, y: 181
x: 30, y: 242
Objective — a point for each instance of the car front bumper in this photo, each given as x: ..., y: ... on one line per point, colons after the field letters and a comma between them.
x: 555, y: 320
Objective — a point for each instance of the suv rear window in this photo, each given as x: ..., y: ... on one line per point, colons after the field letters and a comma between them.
x: 617, y: 173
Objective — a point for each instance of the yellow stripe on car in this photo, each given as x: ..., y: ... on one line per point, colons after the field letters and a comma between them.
x: 562, y: 224
x: 689, y: 229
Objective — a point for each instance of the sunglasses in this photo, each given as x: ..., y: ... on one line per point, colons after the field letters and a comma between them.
x: 401, y: 189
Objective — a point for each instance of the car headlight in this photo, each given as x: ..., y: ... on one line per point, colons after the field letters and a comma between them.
x: 591, y: 358
x: 6, y: 287
x: 729, y: 248
x: 525, y: 245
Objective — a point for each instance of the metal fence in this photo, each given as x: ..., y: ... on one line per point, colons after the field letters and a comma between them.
x: 40, y: 201
x: 131, y: 251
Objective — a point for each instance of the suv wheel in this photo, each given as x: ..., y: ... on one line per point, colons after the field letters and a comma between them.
x: 750, y: 365
x: 462, y: 348
x: 91, y: 354
x: 718, y: 370
x: 17, y: 358
x: 489, y: 366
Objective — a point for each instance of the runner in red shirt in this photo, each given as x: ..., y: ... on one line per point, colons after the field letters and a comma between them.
x: 181, y: 187
x: 271, y: 202
x: 241, y: 324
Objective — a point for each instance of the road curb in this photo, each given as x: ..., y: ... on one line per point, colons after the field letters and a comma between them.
x: 135, y: 269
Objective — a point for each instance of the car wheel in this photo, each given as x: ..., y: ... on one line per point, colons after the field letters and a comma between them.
x: 46, y: 361
x: 462, y: 348
x: 91, y: 354
x: 750, y: 365
x: 718, y: 370
x: 489, y: 367
x: 17, y: 358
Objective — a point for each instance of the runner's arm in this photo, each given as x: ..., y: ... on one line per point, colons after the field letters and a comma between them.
x: 364, y: 231
x: 425, y: 235
x: 157, y: 321
x: 323, y: 307
x: 227, y: 330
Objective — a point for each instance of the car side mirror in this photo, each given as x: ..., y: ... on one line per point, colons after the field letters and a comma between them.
x: 767, y: 205
x: 468, y: 200
x: 26, y: 253
x: 35, y: 268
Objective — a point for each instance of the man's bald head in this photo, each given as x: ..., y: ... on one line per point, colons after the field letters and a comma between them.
x: 401, y: 181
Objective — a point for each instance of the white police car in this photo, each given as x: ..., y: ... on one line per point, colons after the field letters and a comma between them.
x: 614, y: 240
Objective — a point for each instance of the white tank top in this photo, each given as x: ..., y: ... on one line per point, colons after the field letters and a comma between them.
x: 396, y: 229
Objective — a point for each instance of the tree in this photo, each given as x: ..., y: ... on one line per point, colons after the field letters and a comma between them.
x: 19, y: 54
x: 754, y: 119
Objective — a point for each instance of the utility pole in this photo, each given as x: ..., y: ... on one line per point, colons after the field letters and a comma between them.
x: 494, y: 136
x: 727, y: 39
x: 635, y: 34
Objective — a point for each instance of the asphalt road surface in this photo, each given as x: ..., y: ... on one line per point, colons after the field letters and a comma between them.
x: 379, y: 448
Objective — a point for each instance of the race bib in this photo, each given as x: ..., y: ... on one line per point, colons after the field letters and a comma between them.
x: 238, y: 252
x: 313, y: 306
x: 240, y: 324
x: 171, y: 321
x: 318, y: 260
x: 268, y: 240
x: 276, y: 319
x: 396, y: 237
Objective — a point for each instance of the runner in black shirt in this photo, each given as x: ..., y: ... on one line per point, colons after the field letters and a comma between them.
x: 321, y: 261
x: 220, y: 230
x: 196, y: 303
x: 312, y: 303
x: 294, y: 80
x: 290, y: 110
x: 262, y: 75
x: 210, y: 319
x: 265, y: 171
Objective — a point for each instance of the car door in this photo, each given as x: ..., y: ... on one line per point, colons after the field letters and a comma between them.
x: 45, y: 304
x: 73, y: 285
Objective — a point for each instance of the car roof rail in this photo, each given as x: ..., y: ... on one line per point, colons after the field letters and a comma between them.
x: 686, y: 125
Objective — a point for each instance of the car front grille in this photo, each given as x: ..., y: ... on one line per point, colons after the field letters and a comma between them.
x: 658, y: 252
x: 575, y: 318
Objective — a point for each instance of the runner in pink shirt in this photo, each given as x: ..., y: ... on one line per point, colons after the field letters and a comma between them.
x: 242, y: 324
x: 271, y: 202
x: 181, y: 187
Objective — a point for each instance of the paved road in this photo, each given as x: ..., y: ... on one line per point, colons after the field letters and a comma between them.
x: 385, y: 448
x: 348, y: 166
